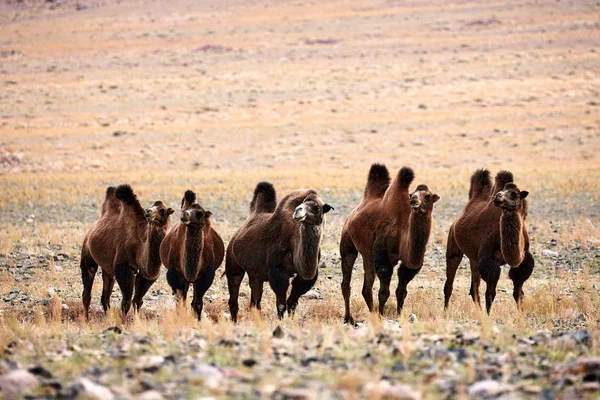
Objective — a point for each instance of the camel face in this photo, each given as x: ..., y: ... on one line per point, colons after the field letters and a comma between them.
x: 311, y: 211
x: 421, y: 200
x: 158, y: 213
x: 195, y: 216
x: 510, y: 198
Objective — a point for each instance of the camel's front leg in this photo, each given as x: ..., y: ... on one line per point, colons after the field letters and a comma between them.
x: 279, y: 282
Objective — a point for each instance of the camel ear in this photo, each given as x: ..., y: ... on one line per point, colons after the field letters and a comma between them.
x: 327, y: 208
x: 170, y: 211
x: 436, y: 198
x: 524, y: 194
x: 207, y: 214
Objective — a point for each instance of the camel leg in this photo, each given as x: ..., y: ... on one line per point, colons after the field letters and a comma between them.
x: 125, y: 279
x: 490, y: 272
x: 367, y: 290
x: 88, y: 272
x: 178, y: 284
x: 519, y: 275
x: 200, y: 287
x: 256, y: 292
x: 453, y: 258
x: 475, y: 282
x: 141, y: 288
x: 405, y: 275
x: 348, y: 253
x: 384, y: 270
x: 235, y: 275
x: 299, y: 287
x: 279, y: 282
x: 108, y: 282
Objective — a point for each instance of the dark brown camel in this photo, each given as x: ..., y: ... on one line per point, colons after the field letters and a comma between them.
x: 192, y: 251
x: 491, y: 232
x: 276, y: 242
x: 389, y: 225
x: 124, y: 242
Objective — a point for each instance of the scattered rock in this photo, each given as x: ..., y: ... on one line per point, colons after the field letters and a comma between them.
x: 93, y: 390
x: 312, y: 295
x: 150, y: 395
x: 385, y: 390
x: 210, y: 376
x: 18, y: 381
x: 278, y: 332
x: 489, y: 388
x: 412, y: 318
x: 150, y: 363
x: 249, y: 362
x: 40, y: 371
x: 549, y: 253
x: 114, y: 329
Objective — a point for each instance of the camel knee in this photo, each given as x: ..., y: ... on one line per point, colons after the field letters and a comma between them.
x: 490, y: 271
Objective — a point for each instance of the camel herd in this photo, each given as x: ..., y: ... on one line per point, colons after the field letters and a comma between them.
x: 281, y: 240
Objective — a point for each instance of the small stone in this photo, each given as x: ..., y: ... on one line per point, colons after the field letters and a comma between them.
x: 278, y: 332
x: 65, y: 306
x: 40, y: 371
x: 210, y: 376
x: 385, y: 390
x: 114, y: 329
x: 549, y: 253
x: 249, y: 362
x: 95, y: 391
x: 311, y: 295
x: 18, y: 381
x: 489, y: 388
x: 412, y: 318
x: 150, y: 395
x: 150, y: 363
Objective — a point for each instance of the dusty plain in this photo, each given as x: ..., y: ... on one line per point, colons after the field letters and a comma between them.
x: 215, y: 96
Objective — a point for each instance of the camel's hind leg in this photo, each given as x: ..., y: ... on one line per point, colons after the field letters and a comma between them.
x: 279, y: 282
x: 200, y: 287
x: 235, y: 275
x: 384, y: 270
x: 367, y: 290
x: 348, y: 253
x: 88, y: 272
x: 405, y: 275
x: 453, y: 258
x: 256, y: 292
x: 519, y: 275
x: 490, y: 272
x: 125, y: 279
x: 299, y: 287
x: 141, y: 288
x: 108, y: 282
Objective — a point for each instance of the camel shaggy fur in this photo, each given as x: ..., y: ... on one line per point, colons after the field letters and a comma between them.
x: 192, y: 251
x: 389, y: 225
x: 277, y: 241
x: 491, y: 232
x: 124, y: 242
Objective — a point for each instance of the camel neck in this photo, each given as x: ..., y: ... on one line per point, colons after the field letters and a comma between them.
x: 154, y: 238
x: 511, y: 238
x: 194, y: 243
x: 306, y: 254
x: 419, y: 228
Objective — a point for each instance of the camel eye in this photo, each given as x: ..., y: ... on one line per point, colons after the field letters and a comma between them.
x: 513, y: 195
x: 162, y: 212
x: 200, y: 214
x: 427, y: 197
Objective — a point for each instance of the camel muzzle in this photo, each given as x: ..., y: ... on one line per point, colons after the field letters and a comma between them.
x: 300, y: 213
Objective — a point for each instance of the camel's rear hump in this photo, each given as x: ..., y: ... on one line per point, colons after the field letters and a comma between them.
x: 265, y: 198
x: 481, y: 185
x: 377, y: 182
x: 502, y: 178
x: 189, y: 198
x: 126, y: 194
x: 405, y: 177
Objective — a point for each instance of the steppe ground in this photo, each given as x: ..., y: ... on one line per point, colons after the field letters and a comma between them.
x: 216, y: 96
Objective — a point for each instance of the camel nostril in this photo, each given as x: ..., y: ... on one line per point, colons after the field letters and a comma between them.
x: 299, y: 213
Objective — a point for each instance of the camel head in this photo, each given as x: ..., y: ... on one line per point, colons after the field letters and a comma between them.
x: 158, y: 214
x: 195, y: 216
x: 312, y: 210
x: 510, y: 197
x: 421, y: 200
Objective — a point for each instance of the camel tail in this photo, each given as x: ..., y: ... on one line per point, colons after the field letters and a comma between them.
x: 405, y: 177
x: 502, y: 178
x: 188, y: 199
x: 128, y: 197
x: 377, y: 182
x: 264, y: 200
x: 481, y: 184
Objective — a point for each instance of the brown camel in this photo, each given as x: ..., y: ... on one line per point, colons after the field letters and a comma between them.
x: 124, y: 242
x: 491, y: 232
x: 192, y: 251
x: 389, y: 225
x: 276, y: 242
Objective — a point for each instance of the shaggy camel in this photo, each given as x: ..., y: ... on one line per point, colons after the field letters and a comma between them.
x: 491, y: 232
x: 192, y: 251
x: 124, y: 242
x: 389, y: 225
x: 277, y: 241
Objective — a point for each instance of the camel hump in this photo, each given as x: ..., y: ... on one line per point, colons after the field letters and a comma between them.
x: 502, y: 178
x: 405, y: 177
x: 127, y: 196
x: 377, y: 182
x: 264, y: 200
x: 110, y: 201
x: 189, y: 198
x: 481, y: 184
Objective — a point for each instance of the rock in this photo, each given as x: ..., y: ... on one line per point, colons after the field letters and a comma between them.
x: 94, y: 391
x: 309, y: 360
x: 489, y: 388
x: 294, y: 394
x: 570, y: 339
x: 385, y: 390
x: 278, y: 332
x: 150, y: 395
x: 18, y: 381
x: 585, y: 366
x: 114, y: 329
x: 150, y: 363
x: 412, y: 318
x: 210, y: 376
x: 40, y: 371
x: 249, y: 362
x: 311, y: 295
x: 549, y: 253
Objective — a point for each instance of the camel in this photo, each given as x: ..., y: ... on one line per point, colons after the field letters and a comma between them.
x: 192, y: 251
x: 276, y: 242
x: 491, y: 232
x: 124, y: 242
x: 389, y: 225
